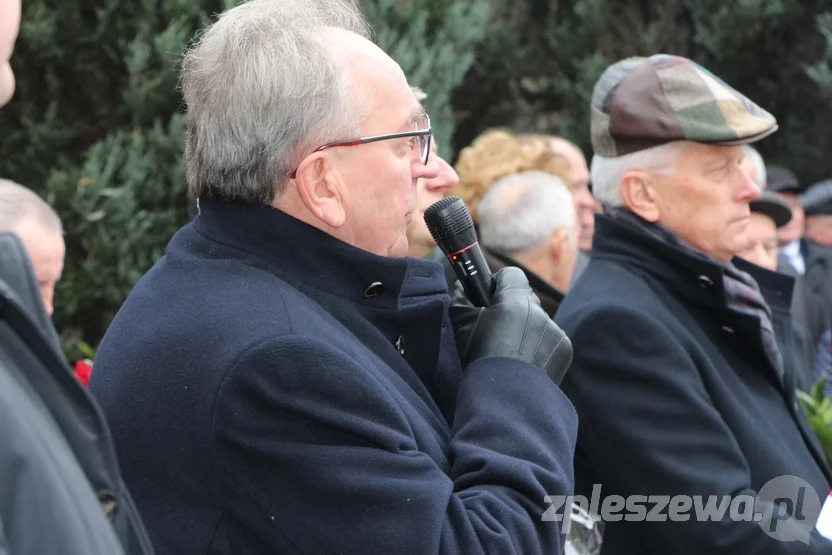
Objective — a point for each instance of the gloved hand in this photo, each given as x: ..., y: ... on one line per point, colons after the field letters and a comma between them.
x: 514, y: 325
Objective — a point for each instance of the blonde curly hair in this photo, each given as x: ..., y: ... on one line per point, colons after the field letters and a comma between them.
x: 497, y: 153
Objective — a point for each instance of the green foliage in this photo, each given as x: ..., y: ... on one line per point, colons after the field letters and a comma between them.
x: 95, y: 129
x: 96, y: 126
x: 121, y: 208
x: 433, y: 41
x: 539, y: 60
x: 818, y: 411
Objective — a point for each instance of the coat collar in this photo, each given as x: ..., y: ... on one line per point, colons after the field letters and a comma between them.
x: 699, y: 279
x: 308, y: 257
x: 777, y: 287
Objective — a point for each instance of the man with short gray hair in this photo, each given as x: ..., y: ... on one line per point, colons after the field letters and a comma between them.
x: 681, y: 388
x: 286, y: 379
x: 528, y: 220
x: 28, y: 216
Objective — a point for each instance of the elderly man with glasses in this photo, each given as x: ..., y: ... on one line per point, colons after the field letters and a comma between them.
x: 286, y: 379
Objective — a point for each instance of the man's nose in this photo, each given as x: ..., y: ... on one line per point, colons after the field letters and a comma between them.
x: 748, y: 189
x: 446, y: 179
x: 425, y: 171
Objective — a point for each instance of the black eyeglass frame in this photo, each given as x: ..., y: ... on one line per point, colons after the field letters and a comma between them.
x: 428, y: 133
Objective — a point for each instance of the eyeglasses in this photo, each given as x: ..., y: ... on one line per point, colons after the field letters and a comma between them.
x: 422, y: 134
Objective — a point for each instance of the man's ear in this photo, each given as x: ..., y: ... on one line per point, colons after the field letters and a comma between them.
x: 639, y: 195
x: 558, y: 241
x: 321, y: 189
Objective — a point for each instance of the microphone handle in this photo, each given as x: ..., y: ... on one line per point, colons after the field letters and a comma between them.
x: 473, y: 271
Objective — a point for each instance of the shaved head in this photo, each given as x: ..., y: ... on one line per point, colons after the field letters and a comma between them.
x: 28, y: 216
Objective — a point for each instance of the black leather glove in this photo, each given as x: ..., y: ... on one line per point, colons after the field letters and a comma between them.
x: 514, y: 325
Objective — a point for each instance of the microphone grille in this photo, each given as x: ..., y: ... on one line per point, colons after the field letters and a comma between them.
x: 448, y: 217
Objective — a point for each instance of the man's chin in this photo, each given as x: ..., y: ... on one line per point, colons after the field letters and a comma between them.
x: 399, y: 248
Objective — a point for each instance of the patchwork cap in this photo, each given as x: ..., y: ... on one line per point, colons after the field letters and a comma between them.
x: 639, y: 103
x: 774, y: 205
x: 818, y: 198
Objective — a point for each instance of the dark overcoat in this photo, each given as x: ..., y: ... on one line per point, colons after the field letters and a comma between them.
x: 274, y: 390
x: 675, y: 395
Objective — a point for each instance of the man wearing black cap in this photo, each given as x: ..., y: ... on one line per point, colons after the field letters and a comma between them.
x: 770, y: 212
x: 680, y: 385
x: 783, y: 181
x: 809, y: 317
x: 817, y: 204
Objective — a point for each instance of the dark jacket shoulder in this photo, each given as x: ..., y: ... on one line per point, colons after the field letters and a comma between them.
x: 675, y: 393
x: 60, y: 484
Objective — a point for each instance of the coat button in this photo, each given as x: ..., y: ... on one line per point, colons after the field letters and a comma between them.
x: 705, y: 282
x: 374, y: 290
x: 400, y: 344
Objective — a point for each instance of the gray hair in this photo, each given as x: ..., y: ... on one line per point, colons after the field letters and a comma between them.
x: 520, y: 211
x: 759, y: 166
x: 18, y: 203
x: 607, y: 172
x: 261, y: 85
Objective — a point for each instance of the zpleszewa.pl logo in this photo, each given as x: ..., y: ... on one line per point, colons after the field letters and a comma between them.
x: 786, y: 508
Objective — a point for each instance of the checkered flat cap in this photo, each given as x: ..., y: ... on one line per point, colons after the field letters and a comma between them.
x: 640, y: 103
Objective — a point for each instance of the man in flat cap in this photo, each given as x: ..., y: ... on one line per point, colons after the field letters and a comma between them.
x: 679, y: 383
x: 784, y: 182
x: 817, y: 204
x: 810, y: 318
x: 770, y: 212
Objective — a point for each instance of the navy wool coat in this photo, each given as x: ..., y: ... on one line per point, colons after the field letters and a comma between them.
x: 274, y: 390
x: 676, y: 397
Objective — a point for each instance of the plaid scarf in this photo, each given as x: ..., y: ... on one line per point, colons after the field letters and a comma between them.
x: 742, y: 291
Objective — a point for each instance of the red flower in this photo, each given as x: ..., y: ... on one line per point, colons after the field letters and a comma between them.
x: 83, y: 369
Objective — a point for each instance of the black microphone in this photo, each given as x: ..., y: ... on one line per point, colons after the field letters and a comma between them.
x: 452, y: 227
